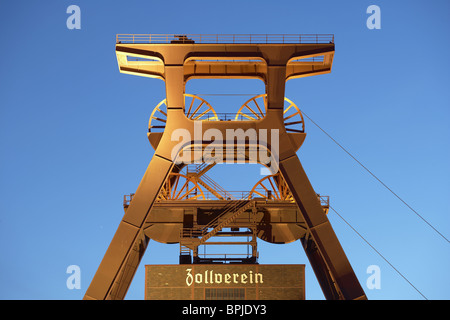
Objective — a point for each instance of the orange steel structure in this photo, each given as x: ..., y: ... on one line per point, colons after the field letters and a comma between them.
x: 177, y: 202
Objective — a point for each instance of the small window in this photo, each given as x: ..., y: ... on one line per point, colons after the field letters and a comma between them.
x: 224, y: 294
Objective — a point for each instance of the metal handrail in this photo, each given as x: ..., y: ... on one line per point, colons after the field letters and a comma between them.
x: 221, y: 116
x: 227, y: 116
x: 127, y: 199
x: 236, y: 195
x: 212, y: 184
x: 324, y: 200
x: 225, y: 38
x: 203, y: 231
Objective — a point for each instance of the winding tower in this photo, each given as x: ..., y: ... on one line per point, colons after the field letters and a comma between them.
x: 177, y: 202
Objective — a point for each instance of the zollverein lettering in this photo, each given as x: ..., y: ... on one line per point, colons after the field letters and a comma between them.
x: 211, y: 277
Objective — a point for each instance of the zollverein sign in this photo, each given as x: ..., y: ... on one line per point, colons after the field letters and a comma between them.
x: 225, y: 281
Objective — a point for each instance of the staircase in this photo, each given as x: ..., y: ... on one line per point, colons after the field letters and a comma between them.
x: 194, y: 237
x: 203, y: 168
x: 225, y: 219
x: 210, y: 185
x: 198, y: 172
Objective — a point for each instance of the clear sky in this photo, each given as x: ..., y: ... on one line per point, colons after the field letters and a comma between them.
x: 73, y: 135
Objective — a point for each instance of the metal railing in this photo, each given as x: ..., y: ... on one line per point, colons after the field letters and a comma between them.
x: 216, y: 187
x: 221, y: 116
x: 225, y: 38
x: 127, y: 199
x: 233, y: 195
x: 324, y: 200
x: 237, y: 195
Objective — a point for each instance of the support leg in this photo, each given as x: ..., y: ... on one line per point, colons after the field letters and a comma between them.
x: 123, y: 255
x: 326, y: 252
x: 129, y: 268
x: 320, y: 269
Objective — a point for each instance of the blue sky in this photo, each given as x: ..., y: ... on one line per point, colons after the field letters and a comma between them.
x: 73, y: 135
